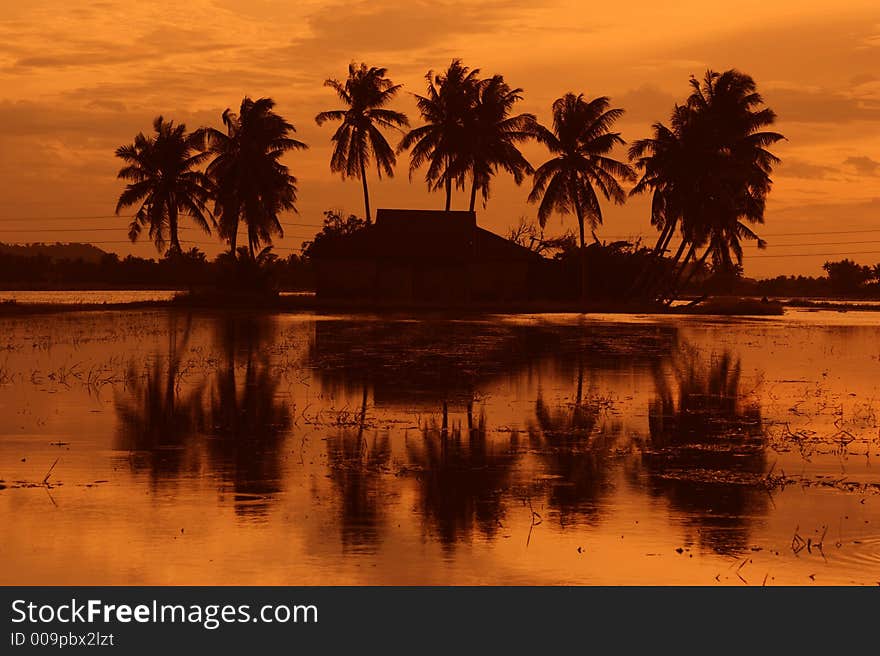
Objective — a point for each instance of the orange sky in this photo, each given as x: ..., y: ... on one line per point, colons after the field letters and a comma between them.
x: 79, y: 78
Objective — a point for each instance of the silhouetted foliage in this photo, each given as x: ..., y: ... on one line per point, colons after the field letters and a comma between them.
x: 366, y: 93
x: 334, y: 227
x: 189, y: 269
x: 442, y: 143
x: 252, y: 184
x: 530, y: 235
x: 494, y: 136
x: 847, y: 277
x: 580, y: 143
x: 163, y: 181
x: 709, y: 173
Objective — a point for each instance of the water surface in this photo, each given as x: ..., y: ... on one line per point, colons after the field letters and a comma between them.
x: 87, y: 296
x: 167, y: 447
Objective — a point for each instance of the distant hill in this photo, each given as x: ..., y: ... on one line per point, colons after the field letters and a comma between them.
x: 57, y: 251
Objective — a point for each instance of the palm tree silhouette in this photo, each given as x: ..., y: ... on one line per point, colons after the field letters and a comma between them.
x: 580, y: 142
x: 366, y: 92
x: 442, y: 143
x: 709, y: 171
x: 162, y: 178
x: 252, y: 184
x: 494, y: 135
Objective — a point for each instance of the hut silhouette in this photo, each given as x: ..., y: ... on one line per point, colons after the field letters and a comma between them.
x: 426, y: 257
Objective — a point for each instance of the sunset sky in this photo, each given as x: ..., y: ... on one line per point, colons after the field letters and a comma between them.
x: 77, y: 79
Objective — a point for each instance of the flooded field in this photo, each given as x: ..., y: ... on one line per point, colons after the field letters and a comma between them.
x: 87, y: 296
x: 165, y: 447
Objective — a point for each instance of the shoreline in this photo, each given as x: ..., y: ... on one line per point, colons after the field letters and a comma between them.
x: 301, y: 303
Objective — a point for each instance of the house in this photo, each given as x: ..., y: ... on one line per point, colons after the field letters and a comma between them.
x: 426, y: 258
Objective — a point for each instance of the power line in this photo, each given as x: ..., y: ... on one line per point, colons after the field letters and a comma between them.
x: 144, y: 242
x: 818, y: 254
x: 120, y: 216
x: 766, y: 234
x: 318, y: 227
x: 826, y: 243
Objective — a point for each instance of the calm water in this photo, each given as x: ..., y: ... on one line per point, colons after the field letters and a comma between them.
x: 185, y: 448
x: 87, y: 296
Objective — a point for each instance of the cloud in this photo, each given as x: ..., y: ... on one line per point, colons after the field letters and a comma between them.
x: 153, y: 46
x: 798, y: 168
x: 368, y: 27
x: 863, y: 165
x: 863, y: 78
x: 820, y: 106
x: 647, y: 103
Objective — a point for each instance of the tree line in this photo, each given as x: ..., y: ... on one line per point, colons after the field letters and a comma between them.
x: 707, y: 169
x: 612, y: 264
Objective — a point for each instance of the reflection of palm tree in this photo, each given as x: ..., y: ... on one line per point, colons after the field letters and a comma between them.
x: 575, y: 456
x: 253, y: 185
x: 707, y: 447
x: 462, y: 478
x: 164, y: 180
x: 156, y: 418
x: 242, y: 416
x: 580, y: 143
x: 357, y: 465
x: 366, y: 92
x: 247, y: 419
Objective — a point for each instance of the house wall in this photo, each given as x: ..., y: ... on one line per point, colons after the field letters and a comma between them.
x: 427, y: 281
x: 499, y: 279
x: 345, y: 278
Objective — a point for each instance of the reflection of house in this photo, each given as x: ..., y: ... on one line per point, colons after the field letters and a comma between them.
x: 427, y: 257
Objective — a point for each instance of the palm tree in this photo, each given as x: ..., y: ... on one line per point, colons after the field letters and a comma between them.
x: 666, y: 169
x: 442, y: 142
x: 494, y: 136
x: 366, y: 92
x: 252, y: 184
x: 717, y: 179
x: 580, y: 142
x: 162, y: 178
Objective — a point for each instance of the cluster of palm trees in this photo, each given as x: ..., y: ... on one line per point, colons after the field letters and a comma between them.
x: 709, y: 174
x: 470, y: 133
x: 708, y: 171
x: 243, y: 177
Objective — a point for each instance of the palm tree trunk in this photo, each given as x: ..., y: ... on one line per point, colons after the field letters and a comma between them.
x: 362, y: 421
x: 233, y: 239
x: 473, y: 193
x: 583, y: 253
x: 663, y: 239
x: 251, y: 242
x: 696, y: 267
x: 673, y: 288
x: 643, y: 276
x: 448, y: 193
x: 172, y: 227
x: 366, y: 192
x: 659, y: 283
